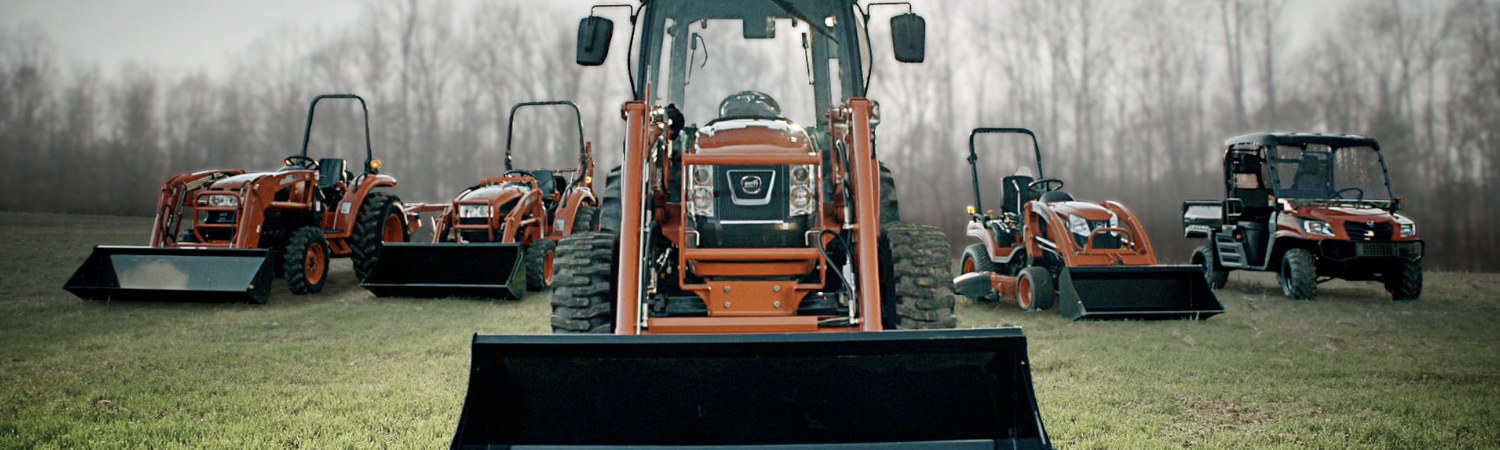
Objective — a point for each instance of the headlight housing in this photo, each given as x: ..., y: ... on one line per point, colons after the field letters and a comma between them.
x: 473, y: 211
x: 1317, y: 227
x: 1408, y: 228
x: 803, y: 190
x: 701, y: 191
x: 220, y: 200
x: 1078, y: 225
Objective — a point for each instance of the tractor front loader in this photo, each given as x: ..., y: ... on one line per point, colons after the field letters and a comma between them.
x: 1095, y: 259
x: 221, y: 235
x: 497, y: 238
x: 749, y: 263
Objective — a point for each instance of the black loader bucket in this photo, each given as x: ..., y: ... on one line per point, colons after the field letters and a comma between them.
x: 1136, y: 292
x: 173, y: 274
x: 448, y: 270
x: 897, y: 389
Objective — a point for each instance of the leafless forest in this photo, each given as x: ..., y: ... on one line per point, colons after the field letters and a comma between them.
x: 1131, y: 100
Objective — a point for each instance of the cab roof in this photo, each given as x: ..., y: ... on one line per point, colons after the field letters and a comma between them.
x: 1331, y: 140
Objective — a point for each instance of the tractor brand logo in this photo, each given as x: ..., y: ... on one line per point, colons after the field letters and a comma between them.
x: 1369, y: 223
x: 750, y: 184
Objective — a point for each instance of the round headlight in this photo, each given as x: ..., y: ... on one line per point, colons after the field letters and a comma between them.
x: 801, y: 197
x: 703, y: 198
x: 701, y: 175
x: 799, y: 174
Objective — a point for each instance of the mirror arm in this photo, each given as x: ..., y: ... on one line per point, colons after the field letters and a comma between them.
x: 871, y: 7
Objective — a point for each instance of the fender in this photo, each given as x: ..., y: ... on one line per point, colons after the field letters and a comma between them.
x: 567, y: 213
x: 363, y: 185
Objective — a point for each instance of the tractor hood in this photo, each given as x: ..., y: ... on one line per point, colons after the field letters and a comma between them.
x: 495, y: 192
x: 1086, y: 210
x: 238, y: 181
x: 1341, y: 213
x: 742, y: 136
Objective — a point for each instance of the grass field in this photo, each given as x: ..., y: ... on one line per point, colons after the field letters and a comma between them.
x: 345, y: 370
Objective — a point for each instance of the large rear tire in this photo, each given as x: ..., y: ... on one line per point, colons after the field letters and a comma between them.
x: 583, y: 297
x: 1034, y: 290
x: 1215, y: 274
x: 890, y: 208
x: 609, y: 206
x: 918, y: 293
x: 1405, y: 282
x: 380, y: 220
x: 540, y: 257
x: 1298, y: 275
x: 977, y: 259
x: 585, y: 219
x: 305, y: 261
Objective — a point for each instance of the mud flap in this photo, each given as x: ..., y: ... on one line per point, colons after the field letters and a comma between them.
x: 895, y: 389
x: 448, y: 270
x: 173, y: 274
x: 1142, y: 292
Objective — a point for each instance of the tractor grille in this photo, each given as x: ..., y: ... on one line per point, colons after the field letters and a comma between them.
x: 1359, y: 231
x: 219, y: 217
x: 474, y: 221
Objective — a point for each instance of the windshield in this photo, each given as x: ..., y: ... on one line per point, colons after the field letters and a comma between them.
x: 695, y: 54
x: 1320, y: 172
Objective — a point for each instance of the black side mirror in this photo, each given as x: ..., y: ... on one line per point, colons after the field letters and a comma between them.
x: 1233, y: 208
x: 909, y: 37
x: 594, y: 33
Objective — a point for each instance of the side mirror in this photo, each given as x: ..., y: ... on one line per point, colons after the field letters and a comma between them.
x: 594, y: 33
x: 1233, y: 208
x: 909, y: 38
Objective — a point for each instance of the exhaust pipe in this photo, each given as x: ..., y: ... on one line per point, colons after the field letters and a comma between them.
x: 893, y: 389
x: 477, y: 270
x: 1136, y: 292
x: 173, y: 274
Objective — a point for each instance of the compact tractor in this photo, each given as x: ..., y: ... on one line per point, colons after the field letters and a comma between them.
x: 737, y: 289
x: 223, y: 234
x: 1096, y: 257
x: 1310, y: 207
x: 498, y: 237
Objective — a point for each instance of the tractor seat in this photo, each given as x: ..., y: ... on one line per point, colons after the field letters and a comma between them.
x: 545, y: 181
x: 1013, y: 193
x: 1056, y: 196
x: 331, y: 175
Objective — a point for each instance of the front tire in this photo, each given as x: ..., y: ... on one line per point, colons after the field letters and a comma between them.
x: 1405, y: 282
x: 977, y: 259
x: 918, y: 293
x: 1298, y: 275
x: 1214, y: 273
x: 1034, y: 291
x: 305, y: 261
x: 583, y: 297
x: 540, y: 258
x: 380, y: 220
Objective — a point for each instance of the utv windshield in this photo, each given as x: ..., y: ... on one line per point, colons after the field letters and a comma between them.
x: 1320, y: 172
x: 803, y: 54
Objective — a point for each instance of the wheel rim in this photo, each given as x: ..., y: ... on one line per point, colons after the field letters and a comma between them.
x: 1023, y: 293
x: 392, y: 231
x: 312, y: 264
x: 968, y: 265
x: 547, y: 267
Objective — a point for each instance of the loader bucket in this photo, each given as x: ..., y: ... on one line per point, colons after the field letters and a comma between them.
x: 448, y: 270
x: 1136, y: 292
x: 897, y: 389
x: 173, y: 274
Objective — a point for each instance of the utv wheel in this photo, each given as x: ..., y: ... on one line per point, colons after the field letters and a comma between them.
x: 1216, y: 275
x: 305, y: 261
x: 1034, y: 291
x: 917, y: 293
x: 379, y: 221
x: 539, y: 264
x: 890, y: 209
x: 586, y: 219
x: 583, y: 293
x: 1405, y: 282
x: 1298, y: 275
x: 977, y: 259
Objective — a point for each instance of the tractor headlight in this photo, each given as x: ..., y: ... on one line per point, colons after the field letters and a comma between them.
x: 701, y: 191
x: 220, y: 200
x: 1078, y: 225
x: 1408, y: 228
x: 1317, y: 227
x: 473, y: 211
x: 803, y: 201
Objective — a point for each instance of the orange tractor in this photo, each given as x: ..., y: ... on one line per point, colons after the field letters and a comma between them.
x: 498, y: 237
x: 222, y: 234
x: 1095, y: 256
x: 737, y: 290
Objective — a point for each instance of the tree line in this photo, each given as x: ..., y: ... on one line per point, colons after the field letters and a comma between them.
x: 1131, y: 101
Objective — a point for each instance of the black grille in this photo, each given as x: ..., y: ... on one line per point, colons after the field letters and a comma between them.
x: 1377, y: 231
x: 750, y: 193
x: 219, y: 217
x: 474, y: 221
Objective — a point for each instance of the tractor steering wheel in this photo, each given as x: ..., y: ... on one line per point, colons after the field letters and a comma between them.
x: 1340, y: 193
x: 1044, y: 185
x: 301, y: 161
x: 518, y: 173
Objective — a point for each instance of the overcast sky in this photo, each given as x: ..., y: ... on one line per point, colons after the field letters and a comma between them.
x: 203, y: 34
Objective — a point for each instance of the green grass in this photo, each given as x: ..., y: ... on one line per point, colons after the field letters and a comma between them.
x: 345, y: 370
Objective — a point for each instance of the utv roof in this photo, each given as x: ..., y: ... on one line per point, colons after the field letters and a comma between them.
x: 1331, y: 140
